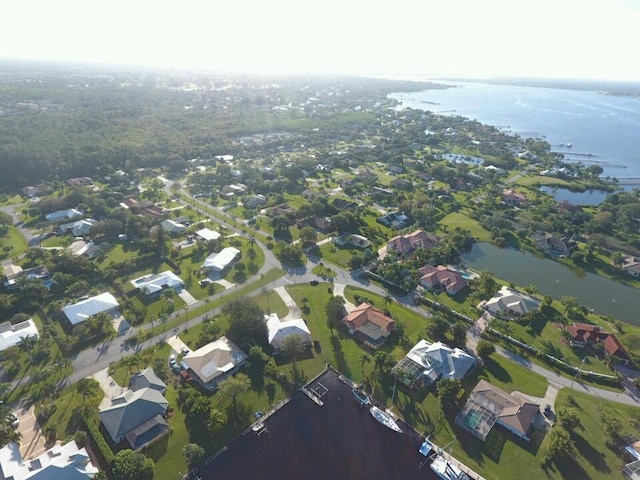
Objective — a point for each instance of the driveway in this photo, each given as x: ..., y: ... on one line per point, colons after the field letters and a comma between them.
x: 294, y: 311
x: 186, y: 296
x: 338, y: 290
x: 176, y: 344
x: 32, y: 442
x: 109, y: 386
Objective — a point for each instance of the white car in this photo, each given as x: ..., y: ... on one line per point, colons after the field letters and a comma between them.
x: 185, y: 351
x: 172, y: 359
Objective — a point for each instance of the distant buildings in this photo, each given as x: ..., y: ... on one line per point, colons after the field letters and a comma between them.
x: 395, y: 220
x: 172, y: 226
x: 511, y: 197
x: 351, y: 239
x: 369, y: 325
x: 207, y: 234
x: 80, y: 181
x: 84, y: 309
x: 79, y: 228
x: 555, y: 246
x: 14, y: 274
x: 39, y: 190
x: 631, y: 266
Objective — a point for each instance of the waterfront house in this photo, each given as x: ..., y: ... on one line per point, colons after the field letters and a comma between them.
x: 488, y: 405
x: 584, y: 334
x: 442, y: 277
x: 508, y: 302
x: 279, y: 330
x: 369, y: 325
x: 214, y: 362
x: 405, y: 244
x: 631, y: 265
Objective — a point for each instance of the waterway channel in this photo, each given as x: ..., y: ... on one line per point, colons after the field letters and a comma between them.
x: 605, y: 296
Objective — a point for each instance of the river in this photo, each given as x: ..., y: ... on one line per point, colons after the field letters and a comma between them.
x: 605, y: 296
x: 603, y: 125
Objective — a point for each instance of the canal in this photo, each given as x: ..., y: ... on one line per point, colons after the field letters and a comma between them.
x: 605, y: 296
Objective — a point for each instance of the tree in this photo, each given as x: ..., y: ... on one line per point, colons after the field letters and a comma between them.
x: 387, y: 300
x: 292, y: 347
x: 194, y: 454
x: 335, y: 312
x: 569, y: 418
x: 459, y: 333
x: 88, y: 388
x: 448, y: 394
x: 129, y: 465
x: 280, y: 224
x: 232, y: 387
x: 485, y: 349
x: 345, y: 222
x: 436, y: 327
x: 559, y: 444
x: 246, y: 323
x: 217, y: 420
x: 308, y: 235
x: 612, y: 428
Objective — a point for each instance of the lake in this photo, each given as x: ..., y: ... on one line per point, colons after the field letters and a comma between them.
x: 588, y: 197
x: 605, y: 296
x: 605, y: 126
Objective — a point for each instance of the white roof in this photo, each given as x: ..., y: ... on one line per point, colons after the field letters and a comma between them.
x: 279, y: 330
x: 11, y: 335
x: 208, y: 234
x: 440, y: 360
x: 60, y: 462
x: 172, y: 226
x: 220, y: 261
x: 79, y: 227
x: 507, y: 299
x: 79, y: 312
x: 60, y: 214
x: 214, y: 359
x: 155, y: 282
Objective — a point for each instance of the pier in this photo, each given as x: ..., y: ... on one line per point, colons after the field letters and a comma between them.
x: 578, y: 154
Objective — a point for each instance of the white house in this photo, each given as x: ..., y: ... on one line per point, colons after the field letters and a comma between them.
x: 427, y: 362
x: 11, y: 335
x: 153, y: 284
x: 172, y: 226
x: 60, y: 462
x: 510, y: 302
x: 221, y: 261
x: 215, y: 361
x: 63, y: 215
x: 84, y: 309
x: 280, y: 330
x: 207, y: 234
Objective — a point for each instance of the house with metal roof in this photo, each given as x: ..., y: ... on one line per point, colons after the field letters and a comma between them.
x: 60, y: 462
x: 147, y: 378
x: 78, y: 228
x: 84, y: 309
x: 136, y: 416
x: 510, y: 302
x: 428, y: 362
x: 153, y: 284
x: 63, y: 215
x: 221, y: 261
x: 12, y: 335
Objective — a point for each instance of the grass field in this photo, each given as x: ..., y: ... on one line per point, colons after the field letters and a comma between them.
x: 14, y: 243
x: 458, y: 219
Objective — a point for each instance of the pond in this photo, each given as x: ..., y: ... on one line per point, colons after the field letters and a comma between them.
x: 588, y: 197
x: 605, y: 296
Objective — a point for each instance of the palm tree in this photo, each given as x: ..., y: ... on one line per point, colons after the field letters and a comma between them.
x: 217, y: 420
x: 28, y: 344
x: 387, y: 300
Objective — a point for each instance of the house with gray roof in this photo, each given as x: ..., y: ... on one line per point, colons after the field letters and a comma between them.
x: 147, y: 378
x: 136, y: 416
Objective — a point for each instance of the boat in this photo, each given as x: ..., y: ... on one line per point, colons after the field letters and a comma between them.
x: 447, y: 470
x: 361, y: 397
x: 385, y: 419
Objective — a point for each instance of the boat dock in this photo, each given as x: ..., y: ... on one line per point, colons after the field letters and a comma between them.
x: 461, y: 466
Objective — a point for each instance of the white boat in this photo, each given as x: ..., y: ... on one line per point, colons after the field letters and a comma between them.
x: 385, y: 419
x: 361, y: 397
x: 446, y: 470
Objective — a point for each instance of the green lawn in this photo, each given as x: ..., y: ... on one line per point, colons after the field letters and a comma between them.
x: 458, y: 219
x: 14, y: 242
x: 57, y: 241
x: 340, y: 256
x: 65, y: 415
x: 120, y: 252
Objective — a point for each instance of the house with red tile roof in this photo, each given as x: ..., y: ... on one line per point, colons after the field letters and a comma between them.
x: 405, y: 244
x: 583, y: 334
x: 369, y: 325
x: 441, y: 276
x: 511, y: 197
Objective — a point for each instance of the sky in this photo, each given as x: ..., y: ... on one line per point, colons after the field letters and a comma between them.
x: 543, y: 38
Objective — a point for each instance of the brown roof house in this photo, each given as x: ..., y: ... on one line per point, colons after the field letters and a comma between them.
x: 442, y: 277
x: 369, y: 325
x: 583, y: 334
x: 488, y: 405
x: 555, y: 246
x: 215, y: 361
x: 405, y: 244
x: 511, y: 197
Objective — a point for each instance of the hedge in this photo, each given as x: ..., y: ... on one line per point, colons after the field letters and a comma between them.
x: 98, y: 439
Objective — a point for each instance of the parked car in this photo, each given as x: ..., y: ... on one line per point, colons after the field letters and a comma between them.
x: 172, y: 359
x: 185, y: 351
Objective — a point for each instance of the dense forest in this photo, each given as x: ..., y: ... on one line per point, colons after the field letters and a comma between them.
x: 71, y: 122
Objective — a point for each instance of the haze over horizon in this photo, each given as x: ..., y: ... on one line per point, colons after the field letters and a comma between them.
x: 543, y: 39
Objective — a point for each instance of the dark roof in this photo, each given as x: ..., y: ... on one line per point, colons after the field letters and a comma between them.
x: 339, y: 440
x: 147, y: 432
x: 147, y: 379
